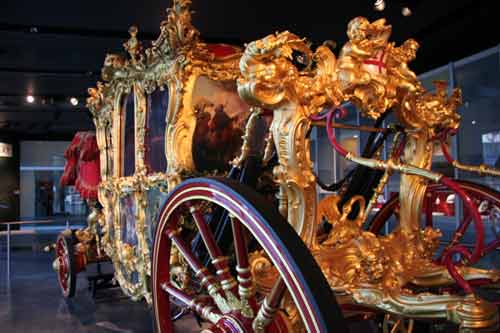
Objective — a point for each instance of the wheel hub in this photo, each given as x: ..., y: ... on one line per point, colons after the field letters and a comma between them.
x: 229, y: 324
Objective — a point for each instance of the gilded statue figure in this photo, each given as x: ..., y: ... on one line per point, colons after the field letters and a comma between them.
x: 362, y: 65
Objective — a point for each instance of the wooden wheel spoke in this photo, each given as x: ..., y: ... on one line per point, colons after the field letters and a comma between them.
x: 240, y: 246
x: 269, y: 306
x: 206, y: 234
x: 220, y: 262
x: 207, y: 280
x: 205, y: 309
x: 245, y: 283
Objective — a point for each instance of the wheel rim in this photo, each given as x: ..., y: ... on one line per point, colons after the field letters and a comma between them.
x: 314, y: 301
x: 478, y: 193
x: 64, y: 271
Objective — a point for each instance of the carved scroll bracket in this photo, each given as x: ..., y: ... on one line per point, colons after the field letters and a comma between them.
x: 294, y: 172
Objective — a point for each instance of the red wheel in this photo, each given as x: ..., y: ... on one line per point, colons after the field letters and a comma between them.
x: 65, y: 263
x: 225, y: 298
x: 487, y: 200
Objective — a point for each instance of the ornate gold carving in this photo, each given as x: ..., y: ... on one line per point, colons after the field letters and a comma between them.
x: 351, y: 256
x: 270, y: 80
x: 482, y: 169
x: 174, y: 61
x: 372, y: 73
x: 431, y: 112
x: 263, y: 272
x: 249, y: 133
x: 397, y: 324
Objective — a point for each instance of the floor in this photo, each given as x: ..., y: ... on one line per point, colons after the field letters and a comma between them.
x: 33, y: 303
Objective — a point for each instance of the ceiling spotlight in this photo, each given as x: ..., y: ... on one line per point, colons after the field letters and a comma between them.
x: 473, y: 122
x: 30, y: 99
x: 73, y: 101
x: 379, y: 5
x: 406, y: 11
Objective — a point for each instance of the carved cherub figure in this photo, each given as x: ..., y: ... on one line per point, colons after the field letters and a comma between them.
x: 134, y: 46
x: 431, y: 112
x: 400, y: 75
x: 114, y: 60
x: 113, y: 64
x: 362, y: 65
x: 96, y: 97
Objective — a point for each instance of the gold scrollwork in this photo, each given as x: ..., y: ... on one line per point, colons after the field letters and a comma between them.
x: 174, y: 62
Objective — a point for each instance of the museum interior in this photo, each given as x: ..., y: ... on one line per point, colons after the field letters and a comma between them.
x: 249, y: 166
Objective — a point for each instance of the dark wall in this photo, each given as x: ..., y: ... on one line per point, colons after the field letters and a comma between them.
x: 9, y: 183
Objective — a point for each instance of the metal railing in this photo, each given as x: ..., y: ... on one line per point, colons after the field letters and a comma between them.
x: 9, y: 233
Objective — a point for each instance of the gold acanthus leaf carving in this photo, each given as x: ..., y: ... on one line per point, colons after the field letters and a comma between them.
x: 431, y: 112
x: 177, y: 34
x: 269, y: 79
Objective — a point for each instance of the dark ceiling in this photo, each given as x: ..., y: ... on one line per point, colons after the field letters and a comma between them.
x: 54, y: 49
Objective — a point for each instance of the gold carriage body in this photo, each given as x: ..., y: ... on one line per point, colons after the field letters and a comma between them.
x: 195, y: 76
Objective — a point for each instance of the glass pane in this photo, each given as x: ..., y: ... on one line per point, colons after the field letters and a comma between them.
x: 479, y: 134
x: 440, y: 74
x: 73, y: 203
x: 129, y: 136
x: 109, y: 144
x: 156, y: 199
x: 50, y: 198
x: 392, y: 187
x: 324, y: 159
x: 110, y: 217
x: 155, y: 139
x: 221, y: 116
x: 349, y: 139
x: 127, y: 219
